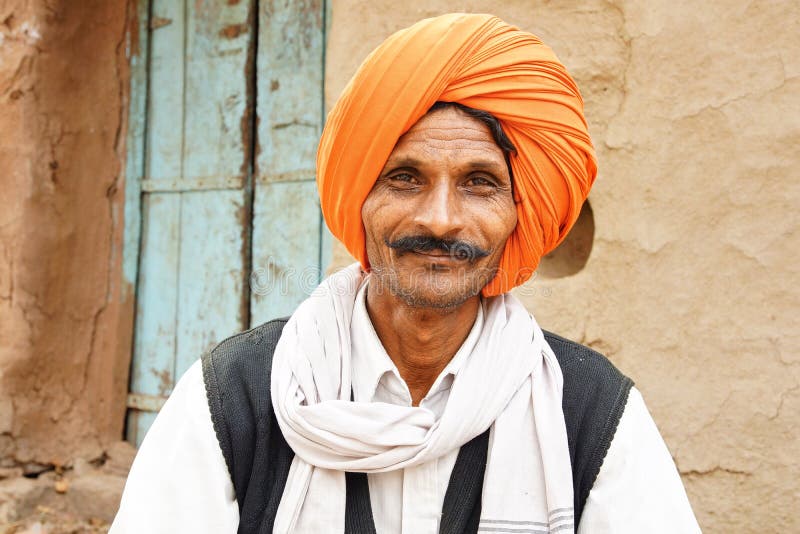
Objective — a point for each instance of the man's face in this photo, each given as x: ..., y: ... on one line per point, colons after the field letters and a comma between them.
x: 440, y: 213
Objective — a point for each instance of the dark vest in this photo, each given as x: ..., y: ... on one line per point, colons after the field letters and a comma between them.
x: 237, y: 379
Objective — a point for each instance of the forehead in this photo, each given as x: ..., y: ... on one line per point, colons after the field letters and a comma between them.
x: 449, y: 131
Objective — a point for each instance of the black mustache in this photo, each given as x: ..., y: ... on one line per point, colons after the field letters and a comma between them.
x: 455, y: 248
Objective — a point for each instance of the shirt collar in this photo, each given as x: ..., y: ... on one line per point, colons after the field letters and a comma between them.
x: 373, y: 366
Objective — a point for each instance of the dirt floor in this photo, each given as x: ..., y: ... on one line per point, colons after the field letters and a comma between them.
x: 80, y: 498
x: 49, y: 521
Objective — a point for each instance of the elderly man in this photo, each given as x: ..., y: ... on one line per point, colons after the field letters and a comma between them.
x: 411, y: 393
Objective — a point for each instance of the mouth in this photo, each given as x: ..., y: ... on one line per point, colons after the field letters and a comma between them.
x: 437, y: 258
x: 434, y: 261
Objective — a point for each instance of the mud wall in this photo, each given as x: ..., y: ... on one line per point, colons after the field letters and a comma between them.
x: 688, y: 287
x: 691, y: 284
x: 64, y: 316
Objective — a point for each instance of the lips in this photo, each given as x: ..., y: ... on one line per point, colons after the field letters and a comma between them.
x: 436, y: 254
x: 437, y: 257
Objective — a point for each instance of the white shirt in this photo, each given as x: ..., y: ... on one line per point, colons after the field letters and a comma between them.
x: 179, y: 482
x: 413, y: 496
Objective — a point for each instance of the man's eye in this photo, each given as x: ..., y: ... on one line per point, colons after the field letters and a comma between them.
x: 480, y: 181
x: 403, y: 177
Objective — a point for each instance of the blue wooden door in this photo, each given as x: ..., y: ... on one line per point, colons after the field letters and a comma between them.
x: 229, y: 224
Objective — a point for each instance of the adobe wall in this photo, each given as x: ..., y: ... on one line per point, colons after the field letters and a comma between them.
x: 64, y: 317
x: 691, y: 286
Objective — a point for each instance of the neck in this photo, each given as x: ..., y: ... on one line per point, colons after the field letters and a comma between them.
x: 420, y: 341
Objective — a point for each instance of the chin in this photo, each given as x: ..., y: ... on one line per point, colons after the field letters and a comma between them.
x: 437, y: 291
x: 432, y: 286
x: 424, y: 300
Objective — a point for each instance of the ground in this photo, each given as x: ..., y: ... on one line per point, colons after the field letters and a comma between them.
x: 79, y: 498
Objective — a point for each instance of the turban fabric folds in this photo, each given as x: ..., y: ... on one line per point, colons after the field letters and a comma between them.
x: 483, y: 63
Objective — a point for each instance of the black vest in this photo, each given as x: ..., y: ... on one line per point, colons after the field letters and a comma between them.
x: 237, y: 379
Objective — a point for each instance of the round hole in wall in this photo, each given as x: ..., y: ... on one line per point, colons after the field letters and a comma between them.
x: 573, y: 253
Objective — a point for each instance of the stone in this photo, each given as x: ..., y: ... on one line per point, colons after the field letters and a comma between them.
x: 120, y: 458
x: 10, y: 472
x: 96, y: 495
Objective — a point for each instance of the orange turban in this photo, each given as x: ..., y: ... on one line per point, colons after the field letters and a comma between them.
x: 481, y: 62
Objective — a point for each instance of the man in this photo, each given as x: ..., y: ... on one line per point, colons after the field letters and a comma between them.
x: 411, y: 392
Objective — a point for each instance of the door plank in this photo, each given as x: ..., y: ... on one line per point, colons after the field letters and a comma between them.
x: 195, y: 243
x: 217, y: 139
x: 217, y: 132
x: 154, y: 338
x: 136, y: 47
x: 285, y: 267
x: 212, y: 286
x: 286, y: 217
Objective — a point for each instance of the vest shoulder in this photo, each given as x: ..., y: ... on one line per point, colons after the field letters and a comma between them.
x: 246, y: 351
x: 237, y: 378
x: 594, y: 397
x: 238, y: 368
x: 579, y: 362
x: 250, y: 342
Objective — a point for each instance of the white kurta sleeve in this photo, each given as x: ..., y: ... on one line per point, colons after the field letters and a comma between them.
x: 638, y: 488
x: 179, y: 482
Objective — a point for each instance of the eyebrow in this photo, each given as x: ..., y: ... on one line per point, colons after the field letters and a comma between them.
x: 478, y: 164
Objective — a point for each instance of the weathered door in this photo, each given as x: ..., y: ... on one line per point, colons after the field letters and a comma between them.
x: 226, y: 207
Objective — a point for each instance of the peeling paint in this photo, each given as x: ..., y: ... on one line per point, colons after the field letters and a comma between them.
x: 232, y: 31
x: 159, y: 22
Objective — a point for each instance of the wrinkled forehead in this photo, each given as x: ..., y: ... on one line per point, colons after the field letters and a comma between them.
x: 447, y: 134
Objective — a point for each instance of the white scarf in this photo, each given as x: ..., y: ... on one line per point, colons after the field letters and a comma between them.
x: 511, y: 381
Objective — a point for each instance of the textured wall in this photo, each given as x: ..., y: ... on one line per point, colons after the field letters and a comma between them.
x: 64, y: 329
x: 691, y: 286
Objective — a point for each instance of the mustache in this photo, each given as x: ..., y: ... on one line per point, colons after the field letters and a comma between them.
x: 456, y: 248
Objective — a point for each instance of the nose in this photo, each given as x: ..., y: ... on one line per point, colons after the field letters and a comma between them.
x: 440, y: 211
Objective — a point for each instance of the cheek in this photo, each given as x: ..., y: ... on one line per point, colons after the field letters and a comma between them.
x: 371, y: 217
x: 504, y: 215
x: 375, y: 217
x: 511, y: 219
